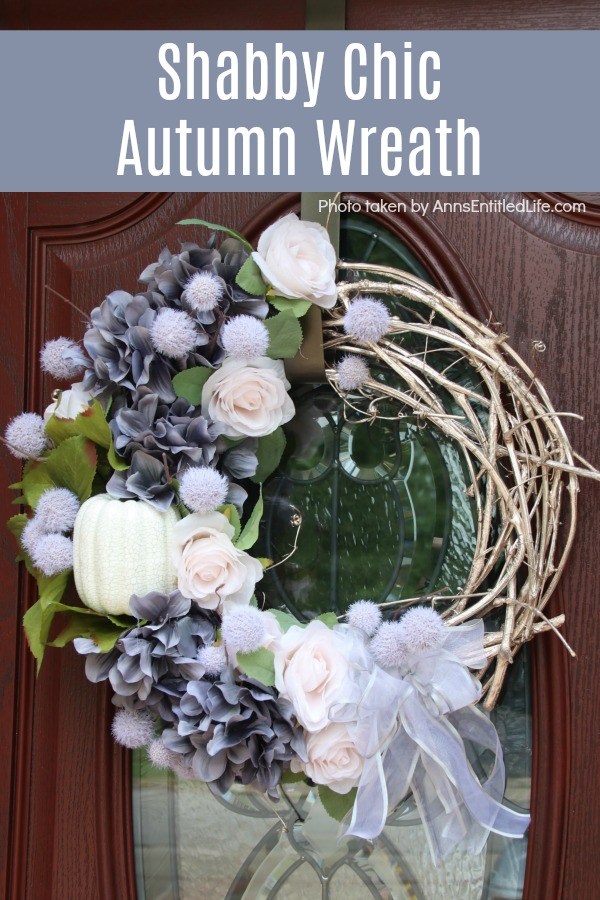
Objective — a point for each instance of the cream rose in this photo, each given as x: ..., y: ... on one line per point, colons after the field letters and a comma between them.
x: 248, y: 398
x: 70, y: 404
x: 273, y: 632
x: 210, y: 570
x: 298, y: 260
x: 333, y: 759
x: 312, y: 671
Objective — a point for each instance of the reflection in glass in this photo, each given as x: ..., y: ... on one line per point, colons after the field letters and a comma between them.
x: 386, y: 516
x: 197, y: 847
x: 384, y: 511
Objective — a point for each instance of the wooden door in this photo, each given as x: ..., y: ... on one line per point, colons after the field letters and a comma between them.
x: 65, y: 825
x: 270, y: 14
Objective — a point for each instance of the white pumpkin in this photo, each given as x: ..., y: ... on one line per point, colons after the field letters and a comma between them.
x: 121, y: 548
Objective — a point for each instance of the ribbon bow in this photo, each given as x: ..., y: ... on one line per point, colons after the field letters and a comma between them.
x: 411, y: 726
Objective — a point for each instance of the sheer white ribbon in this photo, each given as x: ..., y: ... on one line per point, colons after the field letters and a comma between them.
x: 411, y: 726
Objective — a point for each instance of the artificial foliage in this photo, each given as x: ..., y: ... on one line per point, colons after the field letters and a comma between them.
x: 142, y: 485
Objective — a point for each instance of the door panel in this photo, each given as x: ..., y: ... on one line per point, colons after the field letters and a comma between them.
x: 70, y: 813
x: 269, y: 14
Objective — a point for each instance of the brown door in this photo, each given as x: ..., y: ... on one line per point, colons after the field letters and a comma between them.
x: 65, y: 819
x: 66, y: 822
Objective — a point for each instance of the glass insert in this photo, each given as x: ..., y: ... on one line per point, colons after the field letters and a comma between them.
x: 384, y: 515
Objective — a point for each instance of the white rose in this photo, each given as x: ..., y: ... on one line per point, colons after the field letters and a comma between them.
x: 248, y: 398
x: 273, y: 632
x: 70, y: 404
x: 312, y: 671
x: 210, y: 570
x: 298, y: 260
x: 333, y: 759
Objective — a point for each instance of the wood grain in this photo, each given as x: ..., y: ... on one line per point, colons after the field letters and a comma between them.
x: 13, y: 261
x: 541, y: 290
x: 271, y: 15
x: 472, y: 14
x: 152, y: 14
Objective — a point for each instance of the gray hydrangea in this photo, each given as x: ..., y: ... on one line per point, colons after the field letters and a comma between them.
x: 171, y: 274
x: 119, y: 346
x: 121, y: 352
x: 162, y: 440
x: 173, y: 270
x: 146, y: 479
x: 178, y: 430
x: 235, y: 730
x: 151, y: 665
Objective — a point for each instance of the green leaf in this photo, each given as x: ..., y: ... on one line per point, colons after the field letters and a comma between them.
x: 189, y: 383
x: 125, y: 622
x: 116, y: 462
x: 231, y: 442
x: 80, y: 621
x: 99, y: 629
x: 286, y: 620
x: 250, y: 279
x: 285, y: 335
x: 51, y: 588
x: 16, y: 524
x: 269, y: 452
x: 182, y: 509
x: 264, y: 561
x: 290, y: 777
x: 336, y: 805
x: 36, y: 623
x: 71, y: 465
x: 260, y: 665
x: 329, y: 618
x: 231, y: 513
x: 214, y: 227
x: 249, y: 535
x: 92, y: 424
x: 38, y: 620
x: 298, y: 308
x: 36, y: 480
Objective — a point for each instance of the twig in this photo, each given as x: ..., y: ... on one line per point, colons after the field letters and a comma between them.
x: 22, y: 455
x: 296, y: 520
x: 67, y: 301
x: 521, y: 471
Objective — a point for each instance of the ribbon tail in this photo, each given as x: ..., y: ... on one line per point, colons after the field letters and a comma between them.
x: 440, y: 741
x: 399, y: 763
x: 444, y: 828
x: 472, y: 725
x: 371, y: 805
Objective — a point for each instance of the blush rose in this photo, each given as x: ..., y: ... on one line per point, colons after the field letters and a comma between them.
x: 210, y: 569
x: 248, y: 399
x: 333, y: 759
x: 312, y: 671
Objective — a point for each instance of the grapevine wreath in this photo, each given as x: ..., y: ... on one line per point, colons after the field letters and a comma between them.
x: 143, y: 482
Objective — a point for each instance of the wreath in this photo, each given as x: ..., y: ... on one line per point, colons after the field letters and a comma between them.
x: 142, y: 484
